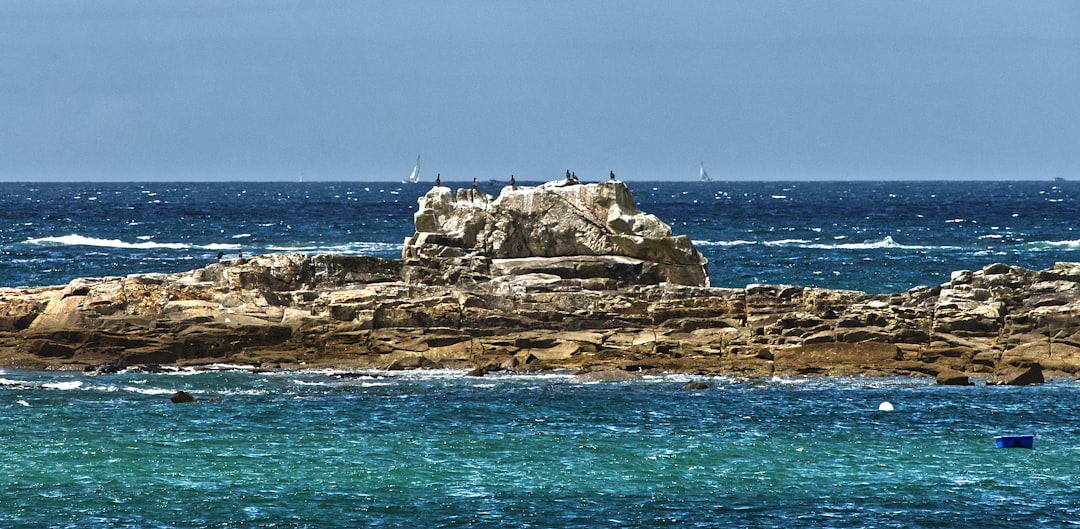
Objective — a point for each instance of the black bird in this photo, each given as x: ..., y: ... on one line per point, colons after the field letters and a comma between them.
x: 574, y: 176
x: 568, y: 174
x: 438, y: 180
x: 474, y: 182
x: 512, y: 182
x: 611, y: 174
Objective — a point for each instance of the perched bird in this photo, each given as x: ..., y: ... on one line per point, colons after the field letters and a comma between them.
x: 474, y: 182
x: 573, y: 176
x: 611, y: 174
x: 567, y: 174
x: 512, y: 182
x: 438, y: 180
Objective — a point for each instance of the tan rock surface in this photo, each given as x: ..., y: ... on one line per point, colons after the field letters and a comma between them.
x: 288, y: 310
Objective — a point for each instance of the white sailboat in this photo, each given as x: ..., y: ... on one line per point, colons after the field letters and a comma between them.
x: 414, y: 177
x: 704, y: 175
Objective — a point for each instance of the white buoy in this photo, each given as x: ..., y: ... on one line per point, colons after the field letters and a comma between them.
x: 885, y: 406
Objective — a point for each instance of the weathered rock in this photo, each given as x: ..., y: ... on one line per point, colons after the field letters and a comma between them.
x: 1023, y: 375
x: 953, y: 378
x: 181, y: 397
x: 562, y: 228
x: 695, y: 385
x: 317, y: 311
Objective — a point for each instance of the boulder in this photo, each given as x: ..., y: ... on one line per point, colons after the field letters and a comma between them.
x: 953, y: 378
x: 1021, y: 375
x: 181, y: 397
x: 458, y: 238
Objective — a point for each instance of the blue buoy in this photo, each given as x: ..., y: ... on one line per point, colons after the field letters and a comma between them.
x: 1015, y: 441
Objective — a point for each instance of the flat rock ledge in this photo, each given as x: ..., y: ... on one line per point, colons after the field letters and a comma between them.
x: 351, y: 312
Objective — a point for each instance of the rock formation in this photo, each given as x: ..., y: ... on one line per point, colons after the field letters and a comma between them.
x: 501, y: 285
x: 289, y: 310
x: 561, y: 230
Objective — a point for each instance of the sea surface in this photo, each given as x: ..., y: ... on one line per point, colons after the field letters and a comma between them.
x: 316, y: 449
x: 880, y: 237
x: 437, y: 449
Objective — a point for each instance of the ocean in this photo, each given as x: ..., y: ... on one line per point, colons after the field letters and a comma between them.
x: 315, y: 449
x: 436, y: 449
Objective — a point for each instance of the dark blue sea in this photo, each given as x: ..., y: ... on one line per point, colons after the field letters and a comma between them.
x: 314, y: 449
x: 880, y: 237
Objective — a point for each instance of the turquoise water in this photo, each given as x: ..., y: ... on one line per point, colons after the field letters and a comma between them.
x: 436, y: 449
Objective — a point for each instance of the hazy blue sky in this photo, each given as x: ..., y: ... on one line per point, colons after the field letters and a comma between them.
x: 354, y: 90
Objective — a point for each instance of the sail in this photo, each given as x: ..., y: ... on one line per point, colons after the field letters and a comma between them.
x: 414, y: 177
x: 704, y: 175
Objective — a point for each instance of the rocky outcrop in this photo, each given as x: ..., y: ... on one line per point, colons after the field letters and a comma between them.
x: 587, y: 234
x: 559, y: 276
x: 289, y: 310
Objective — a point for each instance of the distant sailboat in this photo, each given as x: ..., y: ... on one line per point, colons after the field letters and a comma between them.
x: 414, y: 177
x: 704, y: 175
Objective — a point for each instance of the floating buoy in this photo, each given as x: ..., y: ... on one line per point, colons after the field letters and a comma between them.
x: 1015, y: 441
x: 885, y: 406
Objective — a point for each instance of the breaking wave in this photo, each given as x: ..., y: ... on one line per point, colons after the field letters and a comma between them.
x: 886, y: 243
x: 80, y: 240
x: 365, y: 247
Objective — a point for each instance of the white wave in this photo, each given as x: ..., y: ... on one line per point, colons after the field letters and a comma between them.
x: 787, y: 242
x: 149, y: 391
x: 299, y: 382
x: 886, y: 243
x: 229, y: 367
x: 736, y: 242
x: 80, y: 240
x: 1055, y: 245
x: 74, y: 384
x: 350, y: 248
x: 218, y: 246
x: 241, y: 236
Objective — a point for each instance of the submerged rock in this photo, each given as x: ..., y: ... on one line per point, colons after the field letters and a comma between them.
x: 606, y: 375
x: 182, y: 397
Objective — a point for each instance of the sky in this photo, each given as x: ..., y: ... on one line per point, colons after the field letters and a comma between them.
x: 354, y: 90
